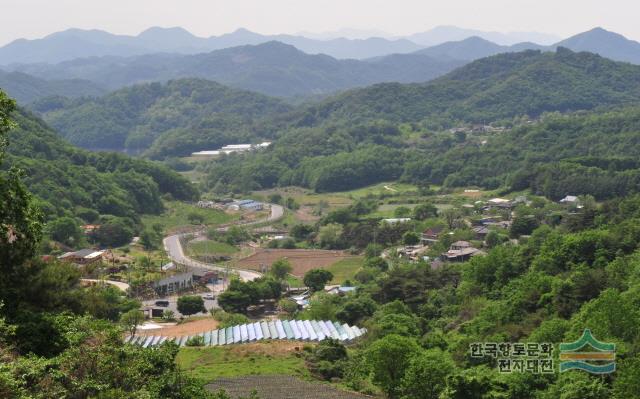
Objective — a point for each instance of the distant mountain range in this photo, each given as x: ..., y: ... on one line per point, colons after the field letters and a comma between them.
x: 189, y: 115
x: 443, y: 34
x: 78, y: 43
x: 271, y: 68
x: 279, y: 69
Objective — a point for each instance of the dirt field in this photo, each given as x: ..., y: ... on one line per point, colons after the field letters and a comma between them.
x: 279, y: 387
x: 179, y: 330
x: 302, y: 260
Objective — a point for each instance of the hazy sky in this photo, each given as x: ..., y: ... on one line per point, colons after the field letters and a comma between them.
x: 37, y: 18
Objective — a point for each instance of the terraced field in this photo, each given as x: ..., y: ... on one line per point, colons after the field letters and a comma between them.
x: 279, y: 387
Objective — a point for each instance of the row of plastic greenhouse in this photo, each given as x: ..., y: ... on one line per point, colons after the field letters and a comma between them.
x: 303, y: 330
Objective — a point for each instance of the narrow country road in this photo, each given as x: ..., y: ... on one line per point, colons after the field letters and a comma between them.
x: 174, y: 249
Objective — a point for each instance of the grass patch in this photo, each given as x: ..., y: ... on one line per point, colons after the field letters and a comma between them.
x: 208, y: 247
x: 176, y: 215
x: 209, y: 363
x: 345, y: 269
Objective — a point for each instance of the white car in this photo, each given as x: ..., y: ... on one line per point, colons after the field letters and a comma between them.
x: 209, y: 297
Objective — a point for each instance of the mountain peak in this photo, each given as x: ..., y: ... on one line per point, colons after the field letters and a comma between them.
x: 156, y: 31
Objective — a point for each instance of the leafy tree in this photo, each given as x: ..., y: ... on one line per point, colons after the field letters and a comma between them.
x: 114, y: 232
x: 288, y: 306
x: 65, y: 230
x: 131, y: 320
x: 190, y: 304
x: 281, y: 268
x: 329, y: 236
x: 149, y: 239
x: 426, y: 375
x: 377, y: 263
x: 425, y: 211
x: 402, y: 212
x: 389, y: 358
x: 234, y: 301
x: 316, y: 279
x: 410, y: 238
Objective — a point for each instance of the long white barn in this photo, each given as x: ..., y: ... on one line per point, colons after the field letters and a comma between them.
x: 297, y: 330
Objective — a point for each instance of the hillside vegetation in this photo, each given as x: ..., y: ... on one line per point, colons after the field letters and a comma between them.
x: 178, y: 117
x: 400, y: 130
x: 89, y: 187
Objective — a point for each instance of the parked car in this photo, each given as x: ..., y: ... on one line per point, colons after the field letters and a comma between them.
x: 209, y: 297
x: 162, y: 303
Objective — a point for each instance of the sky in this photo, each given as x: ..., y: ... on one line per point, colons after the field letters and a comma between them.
x: 37, y: 18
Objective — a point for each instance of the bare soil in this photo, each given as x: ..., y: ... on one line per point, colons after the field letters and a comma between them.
x: 187, y: 328
x: 302, y: 260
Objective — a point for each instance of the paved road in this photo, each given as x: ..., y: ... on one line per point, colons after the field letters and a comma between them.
x: 175, y: 252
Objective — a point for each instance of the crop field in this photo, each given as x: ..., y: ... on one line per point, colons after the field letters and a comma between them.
x: 210, y: 363
x: 279, y: 387
x: 176, y: 215
x: 302, y: 260
x: 345, y: 269
x: 209, y: 247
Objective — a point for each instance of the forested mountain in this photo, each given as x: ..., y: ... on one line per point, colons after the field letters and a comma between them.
x: 335, y: 144
x: 599, y: 41
x: 271, y: 68
x: 69, y: 181
x: 607, y: 44
x: 474, y: 48
x: 26, y: 89
x: 502, y: 86
x: 183, y: 115
x: 79, y: 43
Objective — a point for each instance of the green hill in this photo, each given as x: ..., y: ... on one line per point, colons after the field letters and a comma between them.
x: 501, y: 86
x: 184, y: 115
x: 69, y: 181
x: 401, y: 130
x: 26, y: 88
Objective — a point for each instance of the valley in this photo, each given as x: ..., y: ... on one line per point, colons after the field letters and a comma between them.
x: 257, y: 216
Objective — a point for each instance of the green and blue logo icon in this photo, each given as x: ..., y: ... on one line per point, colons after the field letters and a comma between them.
x: 598, y: 359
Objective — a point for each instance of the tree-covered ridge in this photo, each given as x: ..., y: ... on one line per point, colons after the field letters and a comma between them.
x: 190, y: 113
x: 506, y: 85
x: 26, y: 89
x: 66, y: 179
x: 581, y: 153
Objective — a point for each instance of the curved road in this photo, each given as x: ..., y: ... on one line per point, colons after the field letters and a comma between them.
x: 175, y: 252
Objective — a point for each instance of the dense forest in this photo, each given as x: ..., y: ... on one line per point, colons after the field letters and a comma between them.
x: 82, y: 187
x: 580, y: 271
x: 178, y: 117
x: 332, y: 145
x: 26, y: 89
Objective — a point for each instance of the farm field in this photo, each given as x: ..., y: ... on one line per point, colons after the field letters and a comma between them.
x: 273, y: 358
x: 208, y: 247
x: 302, y: 260
x: 345, y: 269
x: 279, y: 387
x: 176, y: 215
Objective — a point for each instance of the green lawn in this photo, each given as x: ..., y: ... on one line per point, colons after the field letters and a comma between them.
x: 209, y: 363
x: 345, y: 269
x: 175, y: 215
x: 208, y: 247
